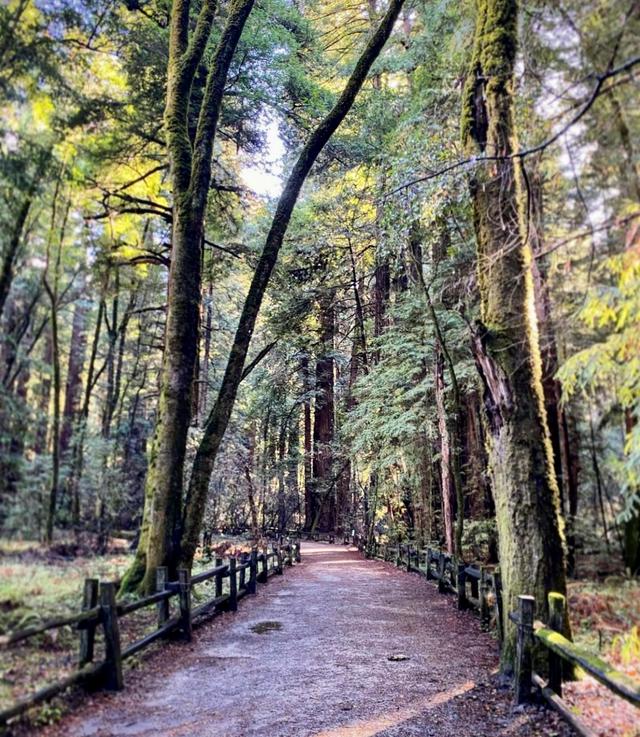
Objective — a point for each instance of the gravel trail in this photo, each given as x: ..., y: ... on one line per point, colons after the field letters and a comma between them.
x: 309, y: 656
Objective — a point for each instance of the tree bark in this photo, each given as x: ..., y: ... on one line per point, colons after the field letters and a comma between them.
x: 505, y: 343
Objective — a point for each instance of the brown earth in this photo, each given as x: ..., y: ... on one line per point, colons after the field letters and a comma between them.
x: 338, y: 647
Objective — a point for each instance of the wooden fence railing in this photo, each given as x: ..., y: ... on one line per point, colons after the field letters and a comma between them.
x: 560, y: 651
x: 102, y: 611
x: 477, y: 588
x: 480, y: 589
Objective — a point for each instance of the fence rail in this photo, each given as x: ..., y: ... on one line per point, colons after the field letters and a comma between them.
x: 476, y: 588
x: 101, y: 610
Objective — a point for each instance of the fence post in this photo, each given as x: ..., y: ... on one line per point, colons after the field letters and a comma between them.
x: 497, y: 590
x: 184, y: 584
x: 253, y: 572
x: 526, y: 606
x: 279, y: 566
x: 461, y: 586
x: 243, y: 578
x: 441, y: 568
x: 298, y: 552
x: 162, y: 607
x: 88, y: 635
x: 428, y: 571
x: 113, y: 656
x: 409, y: 557
x: 233, y: 586
x: 218, y: 581
x: 484, y: 603
x: 264, y: 576
x: 557, y: 604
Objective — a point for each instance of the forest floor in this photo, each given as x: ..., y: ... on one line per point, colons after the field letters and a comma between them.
x: 338, y: 647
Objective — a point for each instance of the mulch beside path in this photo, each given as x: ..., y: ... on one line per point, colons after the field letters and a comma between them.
x: 338, y: 647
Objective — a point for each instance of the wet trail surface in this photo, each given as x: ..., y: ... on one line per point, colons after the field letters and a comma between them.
x: 309, y: 657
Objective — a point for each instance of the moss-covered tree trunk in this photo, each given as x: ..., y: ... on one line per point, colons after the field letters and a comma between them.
x: 190, y: 164
x: 532, y: 556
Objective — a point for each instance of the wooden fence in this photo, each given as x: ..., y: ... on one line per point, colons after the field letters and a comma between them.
x: 480, y: 589
x: 102, y: 611
x: 477, y: 588
x: 563, y: 657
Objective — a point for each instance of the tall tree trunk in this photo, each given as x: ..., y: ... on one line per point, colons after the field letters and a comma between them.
x: 9, y: 256
x: 631, y: 539
x: 324, y: 498
x: 281, y: 461
x: 219, y: 417
x: 532, y: 556
x: 308, y: 448
x: 75, y: 366
x: 77, y: 463
x: 53, y: 292
x: 445, y: 455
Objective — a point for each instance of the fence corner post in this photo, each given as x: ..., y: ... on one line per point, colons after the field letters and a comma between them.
x: 461, y: 585
x: 524, y: 647
x: 484, y: 598
x: 557, y: 605
x: 497, y: 590
x: 233, y: 586
x: 88, y: 635
x: 184, y: 583
x: 279, y: 563
x: 253, y: 571
x: 162, y: 607
x: 113, y: 654
x: 442, y: 589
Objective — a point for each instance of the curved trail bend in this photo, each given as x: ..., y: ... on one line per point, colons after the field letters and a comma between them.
x: 318, y: 666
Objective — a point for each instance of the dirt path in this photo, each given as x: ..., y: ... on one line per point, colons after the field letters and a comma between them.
x: 323, y: 670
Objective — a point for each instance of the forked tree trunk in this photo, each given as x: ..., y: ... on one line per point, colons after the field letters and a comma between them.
x: 190, y: 179
x: 219, y: 417
x: 532, y: 556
